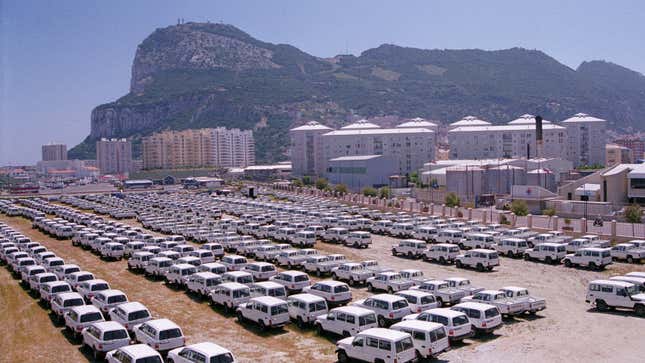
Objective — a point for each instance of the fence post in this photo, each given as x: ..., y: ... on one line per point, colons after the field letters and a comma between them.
x: 529, y: 220
x: 484, y: 215
x: 513, y: 219
x: 583, y: 225
x: 431, y: 208
x: 613, y: 228
x: 443, y: 210
x: 470, y: 213
x: 555, y: 222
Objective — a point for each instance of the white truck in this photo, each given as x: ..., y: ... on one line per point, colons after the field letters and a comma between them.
x: 442, y: 291
x: 498, y: 298
x: 629, y: 252
x: 352, y: 272
x: 521, y: 294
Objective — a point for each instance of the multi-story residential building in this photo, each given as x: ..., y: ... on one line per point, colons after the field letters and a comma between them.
x: 408, y: 148
x: 219, y: 147
x: 636, y: 144
x: 114, y: 156
x: 586, y: 139
x: 307, y: 157
x: 52, y: 152
x: 616, y: 154
x: 505, y: 141
x: 419, y: 122
x: 468, y: 121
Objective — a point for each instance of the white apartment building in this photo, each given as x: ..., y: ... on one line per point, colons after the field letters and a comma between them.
x: 307, y: 150
x: 233, y: 147
x: 505, y: 141
x: 408, y: 148
x: 468, y: 121
x: 586, y: 139
x: 419, y: 122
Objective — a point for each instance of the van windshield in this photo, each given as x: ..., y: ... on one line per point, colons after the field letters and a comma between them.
x: 367, y: 320
x: 400, y: 304
x: 91, y: 317
x: 279, y: 309
x: 460, y: 320
x: 492, y: 312
x: 169, y: 334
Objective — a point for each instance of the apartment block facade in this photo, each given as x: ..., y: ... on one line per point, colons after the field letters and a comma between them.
x: 219, y: 147
x: 114, y: 156
x: 54, y: 152
x: 587, y: 136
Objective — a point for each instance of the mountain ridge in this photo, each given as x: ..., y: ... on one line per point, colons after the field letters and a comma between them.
x: 207, y: 75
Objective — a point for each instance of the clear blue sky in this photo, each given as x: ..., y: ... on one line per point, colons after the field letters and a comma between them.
x: 60, y: 59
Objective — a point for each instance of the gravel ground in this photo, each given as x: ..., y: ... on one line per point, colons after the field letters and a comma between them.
x: 567, y: 328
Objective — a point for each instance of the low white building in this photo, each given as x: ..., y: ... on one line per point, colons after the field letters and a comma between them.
x: 360, y: 171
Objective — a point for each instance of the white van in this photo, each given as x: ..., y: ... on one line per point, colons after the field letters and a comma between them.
x: 429, y: 339
x: 457, y: 323
x: 305, y: 308
x: 377, y: 345
x: 606, y: 294
x: 484, y: 318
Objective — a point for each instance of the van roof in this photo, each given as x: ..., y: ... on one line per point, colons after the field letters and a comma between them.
x: 161, y: 324
x: 386, y: 297
x: 233, y: 286
x: 445, y: 312
x: 84, y: 309
x: 132, y: 306
x: 110, y: 292
x: 417, y: 293
x: 383, y: 333
x: 417, y: 324
x: 139, y: 351
x: 269, y: 300
x: 612, y: 282
x: 207, y: 349
x: 308, y: 298
x: 268, y: 285
x: 474, y: 305
x: 108, y: 325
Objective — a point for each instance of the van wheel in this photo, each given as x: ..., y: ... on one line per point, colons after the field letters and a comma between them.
x: 262, y: 325
x: 630, y: 259
x: 442, y: 260
x: 640, y: 310
x: 440, y: 302
x: 567, y: 263
x: 461, y: 246
x: 370, y: 288
x: 96, y: 354
x: 390, y: 290
x: 410, y: 255
x: 342, y: 357
x: 592, y: 265
x: 549, y: 260
x: 601, y: 305
x: 459, y: 264
x: 334, y: 276
x: 319, y: 330
x: 240, y: 317
x: 419, y: 356
x: 527, y: 257
x: 355, y: 245
x: 300, y: 323
x: 480, y: 267
x: 346, y: 334
x: 381, y: 322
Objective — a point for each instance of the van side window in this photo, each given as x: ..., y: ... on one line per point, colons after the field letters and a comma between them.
x: 594, y: 287
x: 385, y: 345
x: 417, y: 335
x: 371, y: 342
x: 351, y: 319
x: 606, y: 289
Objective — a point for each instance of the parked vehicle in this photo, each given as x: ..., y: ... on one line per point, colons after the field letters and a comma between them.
x: 512, y: 247
x: 133, y: 354
x: 443, y: 253
x: 521, y: 294
x: 479, y: 259
x: 160, y: 334
x: 266, y: 311
x: 628, y: 252
x: 268, y: 288
x: 130, y: 314
x: 201, y: 352
x: 484, y: 318
x: 442, y: 291
x: 606, y: 294
x: 334, y: 292
x: 106, y: 300
x: 429, y: 339
x: 203, y: 283
x: 411, y: 248
x: 230, y: 294
x: 358, y: 239
x: 377, y: 344
x: 305, y: 308
x: 61, y: 303
x: 592, y: 257
x: 504, y: 304
x: 105, y: 336
x: 419, y: 300
x: 345, y: 321
x: 546, y: 252
x: 389, y: 309
x: 457, y: 323
x: 261, y: 271
x: 293, y: 281
x: 388, y: 281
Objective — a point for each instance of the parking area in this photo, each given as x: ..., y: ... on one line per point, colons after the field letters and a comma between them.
x: 567, y: 325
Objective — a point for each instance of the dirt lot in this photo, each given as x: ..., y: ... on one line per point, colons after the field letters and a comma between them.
x: 566, y: 329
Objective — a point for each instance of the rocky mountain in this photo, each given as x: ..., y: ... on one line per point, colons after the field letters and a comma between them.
x: 205, y: 75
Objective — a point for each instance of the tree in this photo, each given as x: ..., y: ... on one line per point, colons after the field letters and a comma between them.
x: 414, y: 179
x: 297, y: 183
x: 384, y: 192
x: 340, y: 188
x: 452, y: 200
x: 634, y: 213
x: 321, y: 183
x: 519, y: 207
x: 549, y: 212
x: 369, y: 192
x: 306, y: 180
